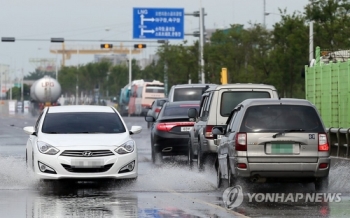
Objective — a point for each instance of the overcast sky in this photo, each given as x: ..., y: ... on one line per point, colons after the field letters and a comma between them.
x: 90, y: 20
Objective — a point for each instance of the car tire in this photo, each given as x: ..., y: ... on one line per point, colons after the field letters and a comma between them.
x: 148, y: 125
x: 321, y: 184
x: 220, y: 182
x: 200, y: 158
x: 195, y: 144
x: 157, y: 157
x: 153, y: 154
x: 190, y: 155
x: 230, y: 178
x: 218, y: 177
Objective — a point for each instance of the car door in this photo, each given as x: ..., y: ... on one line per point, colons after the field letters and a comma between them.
x: 226, y: 142
x: 202, y: 116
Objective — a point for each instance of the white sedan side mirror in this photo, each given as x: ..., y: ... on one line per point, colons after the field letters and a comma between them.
x: 135, y: 130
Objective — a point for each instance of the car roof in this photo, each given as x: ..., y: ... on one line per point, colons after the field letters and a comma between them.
x: 193, y: 85
x: 271, y: 101
x: 178, y: 103
x: 241, y: 85
x: 81, y: 108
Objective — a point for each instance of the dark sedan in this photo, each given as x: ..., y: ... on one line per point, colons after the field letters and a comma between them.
x: 169, y: 134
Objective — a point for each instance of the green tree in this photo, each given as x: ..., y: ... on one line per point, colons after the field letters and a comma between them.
x: 332, y: 23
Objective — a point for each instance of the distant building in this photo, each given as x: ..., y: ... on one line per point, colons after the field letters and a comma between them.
x: 115, y: 59
x: 144, y: 62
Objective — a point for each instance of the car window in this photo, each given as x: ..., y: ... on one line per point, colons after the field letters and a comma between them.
x: 207, y: 106
x: 38, y: 121
x: 267, y: 118
x: 82, y: 122
x: 203, y: 105
x: 230, y: 99
x: 180, y: 110
x: 188, y: 94
x: 153, y: 88
x: 161, y: 103
x: 230, y: 126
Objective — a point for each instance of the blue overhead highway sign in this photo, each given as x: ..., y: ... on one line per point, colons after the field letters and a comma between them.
x: 158, y: 23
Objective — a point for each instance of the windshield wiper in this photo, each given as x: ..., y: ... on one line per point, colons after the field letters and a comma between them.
x: 287, y: 130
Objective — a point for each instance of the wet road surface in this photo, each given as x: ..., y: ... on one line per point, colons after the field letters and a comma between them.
x: 169, y: 190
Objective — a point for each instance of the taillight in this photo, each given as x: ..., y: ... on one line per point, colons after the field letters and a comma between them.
x: 241, y: 141
x: 208, y: 134
x: 157, y: 110
x: 323, y: 165
x: 323, y: 142
x: 242, y: 165
x: 168, y: 126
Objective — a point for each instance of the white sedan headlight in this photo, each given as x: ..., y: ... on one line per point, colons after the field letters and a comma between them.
x: 47, y: 149
x: 125, y: 148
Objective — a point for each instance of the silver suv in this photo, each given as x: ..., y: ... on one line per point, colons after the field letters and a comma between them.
x: 216, y: 105
x: 273, y: 140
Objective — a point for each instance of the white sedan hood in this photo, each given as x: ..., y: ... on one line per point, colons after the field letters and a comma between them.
x: 71, y: 140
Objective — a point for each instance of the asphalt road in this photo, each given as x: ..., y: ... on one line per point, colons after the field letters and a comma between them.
x: 169, y: 190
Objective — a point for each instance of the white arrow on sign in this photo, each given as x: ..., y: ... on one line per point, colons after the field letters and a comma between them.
x: 145, y: 19
x: 146, y: 31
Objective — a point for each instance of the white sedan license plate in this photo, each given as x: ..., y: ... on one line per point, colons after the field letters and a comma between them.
x: 87, y: 163
x: 186, y: 129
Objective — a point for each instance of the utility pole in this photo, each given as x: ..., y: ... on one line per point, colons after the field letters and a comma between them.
x: 22, y: 89
x: 201, y: 30
x: 201, y: 33
x: 311, y: 41
x: 264, y: 14
x: 130, y: 70
x: 77, y: 86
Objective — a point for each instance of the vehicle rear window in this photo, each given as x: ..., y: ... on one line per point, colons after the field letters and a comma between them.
x: 271, y: 118
x: 229, y: 100
x: 179, y: 110
x: 82, y: 122
x: 161, y: 102
x: 155, y: 89
x: 188, y: 94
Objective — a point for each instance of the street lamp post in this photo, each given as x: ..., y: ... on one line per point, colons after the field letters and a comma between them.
x: 166, y: 43
x: 77, y: 86
x: 264, y: 17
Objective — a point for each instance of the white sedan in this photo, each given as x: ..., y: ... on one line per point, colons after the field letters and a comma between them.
x: 81, y: 142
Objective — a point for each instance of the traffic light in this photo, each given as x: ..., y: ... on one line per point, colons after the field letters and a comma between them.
x: 223, y: 79
x: 106, y: 46
x: 139, y: 45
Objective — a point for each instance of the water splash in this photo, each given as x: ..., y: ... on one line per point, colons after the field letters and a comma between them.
x: 14, y: 174
x: 340, y: 176
x: 174, y: 176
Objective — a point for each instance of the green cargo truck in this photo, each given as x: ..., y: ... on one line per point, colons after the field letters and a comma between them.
x: 327, y: 85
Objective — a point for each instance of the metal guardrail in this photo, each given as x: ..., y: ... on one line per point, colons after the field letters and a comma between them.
x: 339, y: 138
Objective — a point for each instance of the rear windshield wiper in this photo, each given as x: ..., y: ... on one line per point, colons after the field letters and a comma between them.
x: 287, y: 130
